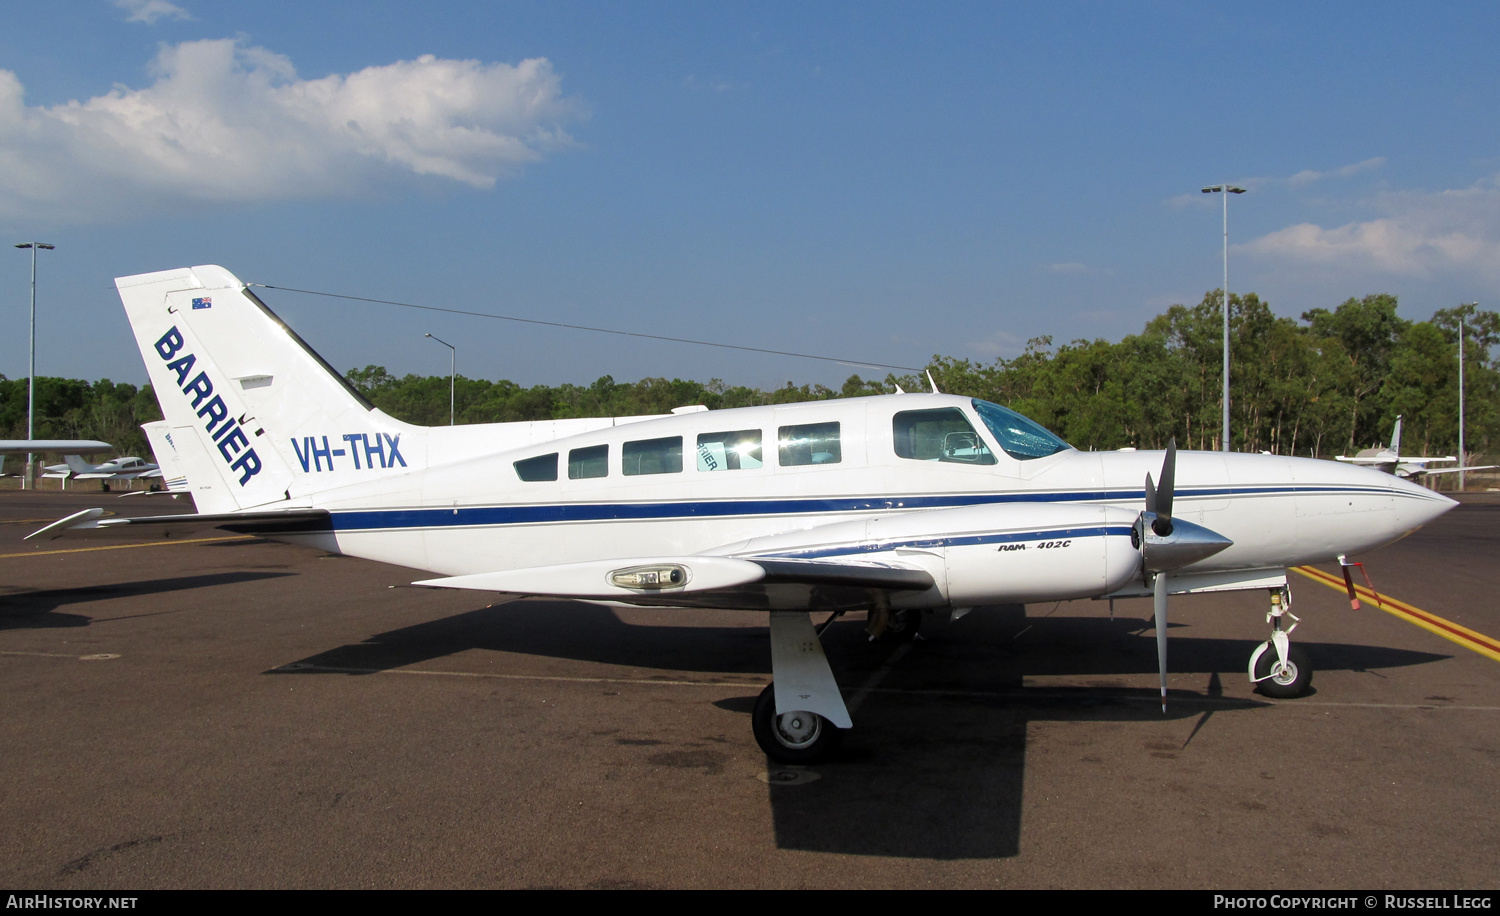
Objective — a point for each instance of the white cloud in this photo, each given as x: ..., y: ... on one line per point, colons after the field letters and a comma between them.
x: 1418, y: 235
x: 1308, y: 176
x: 997, y: 344
x: 148, y: 11
x: 224, y: 122
x: 1268, y: 182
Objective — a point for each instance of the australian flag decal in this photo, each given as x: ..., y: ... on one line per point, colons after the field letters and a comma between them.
x: 204, y: 303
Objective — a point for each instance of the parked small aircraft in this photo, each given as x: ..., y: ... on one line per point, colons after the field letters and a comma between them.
x: 898, y: 505
x: 127, y: 468
x: 37, y: 446
x: 1390, y: 460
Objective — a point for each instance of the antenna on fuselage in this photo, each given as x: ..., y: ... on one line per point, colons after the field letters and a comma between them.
x: 932, y: 383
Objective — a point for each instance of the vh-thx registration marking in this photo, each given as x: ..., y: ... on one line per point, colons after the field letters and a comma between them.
x: 388, y: 453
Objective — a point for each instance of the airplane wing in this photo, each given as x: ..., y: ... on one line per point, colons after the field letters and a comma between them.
x: 21, y: 446
x: 735, y: 583
x: 93, y: 523
x: 1482, y: 467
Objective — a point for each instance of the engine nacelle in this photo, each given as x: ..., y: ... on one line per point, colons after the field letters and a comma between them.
x: 993, y: 554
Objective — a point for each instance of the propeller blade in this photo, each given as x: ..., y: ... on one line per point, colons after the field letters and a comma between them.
x: 1163, y: 496
x: 1150, y: 494
x: 1159, y: 595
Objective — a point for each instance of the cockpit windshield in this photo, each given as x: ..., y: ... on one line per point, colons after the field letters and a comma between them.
x: 1021, y: 438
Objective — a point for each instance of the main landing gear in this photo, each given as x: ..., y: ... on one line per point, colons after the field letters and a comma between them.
x: 1277, y: 668
x: 800, y: 717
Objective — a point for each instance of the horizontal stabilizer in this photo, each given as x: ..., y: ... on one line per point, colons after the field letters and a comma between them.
x: 91, y: 523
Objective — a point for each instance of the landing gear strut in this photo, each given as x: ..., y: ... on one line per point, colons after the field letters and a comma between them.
x: 1277, y: 668
x: 798, y: 718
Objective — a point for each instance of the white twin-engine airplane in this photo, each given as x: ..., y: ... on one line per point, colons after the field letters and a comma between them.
x: 898, y: 505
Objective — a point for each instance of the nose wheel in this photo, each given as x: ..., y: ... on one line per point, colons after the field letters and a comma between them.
x: 1277, y: 668
x: 1283, y: 680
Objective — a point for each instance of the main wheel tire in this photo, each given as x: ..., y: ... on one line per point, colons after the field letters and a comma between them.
x: 1290, y: 681
x: 792, y: 737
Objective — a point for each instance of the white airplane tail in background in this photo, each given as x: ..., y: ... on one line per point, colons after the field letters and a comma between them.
x: 248, y: 402
x: 173, y: 477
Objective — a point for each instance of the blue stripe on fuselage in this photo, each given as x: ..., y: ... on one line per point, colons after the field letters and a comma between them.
x: 484, y: 516
x: 966, y: 540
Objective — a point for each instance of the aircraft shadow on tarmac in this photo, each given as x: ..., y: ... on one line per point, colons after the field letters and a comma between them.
x: 935, y: 767
x: 38, y: 609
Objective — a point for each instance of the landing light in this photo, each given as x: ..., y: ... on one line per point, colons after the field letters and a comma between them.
x: 649, y: 577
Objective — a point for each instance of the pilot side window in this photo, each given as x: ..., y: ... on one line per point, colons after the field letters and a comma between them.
x: 810, y: 443
x: 943, y: 434
x: 733, y: 451
x: 653, y: 456
x: 542, y: 467
x: 592, y: 461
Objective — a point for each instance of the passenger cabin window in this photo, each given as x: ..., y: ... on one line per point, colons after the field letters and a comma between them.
x: 542, y: 467
x: 592, y: 461
x: 942, y: 434
x: 733, y: 451
x: 1022, y: 438
x: 653, y: 456
x: 811, y: 443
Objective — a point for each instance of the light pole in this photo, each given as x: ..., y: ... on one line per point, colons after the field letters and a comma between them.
x: 1226, y: 190
x: 1461, y: 460
x: 452, y: 374
x: 28, y: 482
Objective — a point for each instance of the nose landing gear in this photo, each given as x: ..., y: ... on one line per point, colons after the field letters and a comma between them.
x: 1277, y: 668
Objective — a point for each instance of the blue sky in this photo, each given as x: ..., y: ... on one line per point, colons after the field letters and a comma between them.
x: 875, y: 181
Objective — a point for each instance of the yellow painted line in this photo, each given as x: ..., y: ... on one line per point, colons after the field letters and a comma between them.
x: 168, y: 542
x: 1487, y: 646
x: 32, y: 521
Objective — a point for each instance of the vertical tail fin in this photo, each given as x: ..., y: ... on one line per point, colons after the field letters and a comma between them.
x: 76, y: 464
x: 1396, y: 437
x: 257, y: 417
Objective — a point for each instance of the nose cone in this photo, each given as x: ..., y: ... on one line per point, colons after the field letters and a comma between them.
x: 1375, y: 508
x: 1418, y: 503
